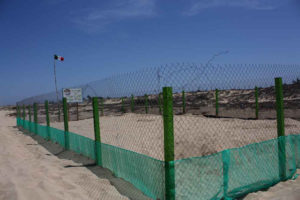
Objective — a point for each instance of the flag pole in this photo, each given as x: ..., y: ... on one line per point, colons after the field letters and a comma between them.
x: 56, y: 89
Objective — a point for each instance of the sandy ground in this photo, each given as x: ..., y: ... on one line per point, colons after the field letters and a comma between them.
x: 30, y: 167
x: 28, y: 171
x: 289, y: 190
x: 194, y: 135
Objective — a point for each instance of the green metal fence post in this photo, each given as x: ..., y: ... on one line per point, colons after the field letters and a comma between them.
x: 18, y: 115
x: 21, y: 115
x: 217, y: 103
x: 18, y: 111
x: 102, y: 106
x: 24, y: 112
x: 256, y: 103
x: 98, y: 151
x: 24, y: 115
x: 146, y: 103
x: 30, y: 118
x: 29, y: 113
x: 66, y: 123
x: 47, y: 113
x: 132, y: 103
x: 280, y: 128
x: 183, y: 102
x: 159, y: 103
x: 35, y: 117
x: 169, y: 143
x: 123, y: 107
x: 47, y: 119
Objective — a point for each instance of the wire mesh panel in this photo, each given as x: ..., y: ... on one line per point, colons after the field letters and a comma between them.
x: 225, y: 128
x: 291, y: 95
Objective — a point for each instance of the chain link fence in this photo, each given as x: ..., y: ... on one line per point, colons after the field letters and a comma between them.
x: 225, y: 128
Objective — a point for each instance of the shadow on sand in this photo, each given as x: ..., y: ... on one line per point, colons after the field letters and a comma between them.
x: 124, y: 187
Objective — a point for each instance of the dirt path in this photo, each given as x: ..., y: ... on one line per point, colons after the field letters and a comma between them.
x: 28, y: 171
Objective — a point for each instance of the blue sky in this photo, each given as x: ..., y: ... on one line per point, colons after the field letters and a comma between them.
x: 101, y: 38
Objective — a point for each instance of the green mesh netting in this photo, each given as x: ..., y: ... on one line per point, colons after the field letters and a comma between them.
x: 256, y: 166
x: 228, y: 174
x: 296, y: 140
x: 144, y: 172
x: 57, y: 136
x: 235, y: 172
x: 82, y: 145
x: 53, y: 134
x: 199, y: 177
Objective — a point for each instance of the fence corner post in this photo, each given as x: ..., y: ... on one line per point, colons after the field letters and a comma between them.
x: 47, y: 119
x: 280, y: 128
x: 66, y: 123
x: 256, y: 103
x: 98, y: 152
x: 169, y: 143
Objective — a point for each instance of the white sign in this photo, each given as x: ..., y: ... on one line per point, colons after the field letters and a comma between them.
x: 73, y: 95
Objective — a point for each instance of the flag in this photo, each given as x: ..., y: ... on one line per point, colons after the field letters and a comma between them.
x: 56, y: 57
